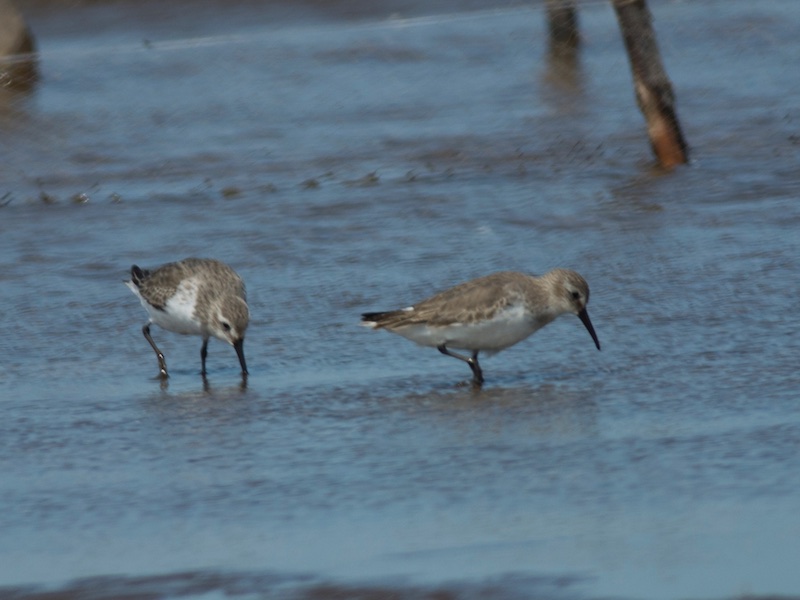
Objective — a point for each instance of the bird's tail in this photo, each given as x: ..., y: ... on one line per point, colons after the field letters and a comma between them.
x: 138, y: 275
x: 377, y: 320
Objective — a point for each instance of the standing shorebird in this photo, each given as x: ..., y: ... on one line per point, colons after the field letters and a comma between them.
x: 196, y: 296
x: 488, y: 314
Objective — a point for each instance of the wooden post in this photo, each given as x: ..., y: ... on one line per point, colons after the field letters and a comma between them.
x: 563, y: 68
x: 653, y: 89
x: 562, y: 19
x: 18, y: 68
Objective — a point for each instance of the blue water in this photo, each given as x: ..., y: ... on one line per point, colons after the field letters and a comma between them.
x: 344, y: 161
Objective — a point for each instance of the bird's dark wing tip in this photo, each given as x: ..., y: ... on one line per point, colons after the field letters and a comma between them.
x: 372, y: 317
x: 138, y: 275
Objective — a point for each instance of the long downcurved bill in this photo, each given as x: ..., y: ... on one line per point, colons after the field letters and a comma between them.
x: 584, y: 317
x: 239, y: 347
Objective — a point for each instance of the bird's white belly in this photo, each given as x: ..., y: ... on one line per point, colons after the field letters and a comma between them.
x: 504, y: 329
x: 178, y: 313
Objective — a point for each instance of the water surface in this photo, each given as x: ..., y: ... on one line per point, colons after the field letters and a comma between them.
x: 351, y: 160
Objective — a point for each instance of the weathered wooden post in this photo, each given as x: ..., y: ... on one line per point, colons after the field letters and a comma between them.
x: 652, y: 86
x: 653, y: 89
x: 562, y: 19
x: 18, y: 68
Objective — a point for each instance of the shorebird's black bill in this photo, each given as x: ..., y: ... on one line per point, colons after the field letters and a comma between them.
x: 239, y: 347
x: 584, y: 317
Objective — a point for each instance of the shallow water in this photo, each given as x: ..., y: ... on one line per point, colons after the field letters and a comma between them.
x: 345, y: 161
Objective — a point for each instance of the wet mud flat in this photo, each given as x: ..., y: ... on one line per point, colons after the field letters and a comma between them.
x: 346, y: 159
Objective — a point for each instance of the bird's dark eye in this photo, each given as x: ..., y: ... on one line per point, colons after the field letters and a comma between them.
x: 226, y: 327
x: 576, y: 295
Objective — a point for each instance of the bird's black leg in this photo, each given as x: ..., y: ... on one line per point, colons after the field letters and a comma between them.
x: 162, y: 364
x: 472, y: 361
x: 477, y: 373
x: 203, y: 354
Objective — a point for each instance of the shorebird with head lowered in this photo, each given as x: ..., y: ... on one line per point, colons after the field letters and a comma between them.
x: 488, y: 314
x: 195, y: 296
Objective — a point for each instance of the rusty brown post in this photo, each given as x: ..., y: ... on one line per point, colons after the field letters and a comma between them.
x: 653, y: 89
